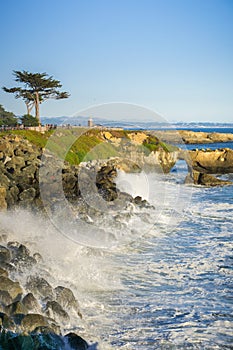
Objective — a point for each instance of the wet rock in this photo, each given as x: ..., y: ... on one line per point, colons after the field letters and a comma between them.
x: 32, y: 321
x: 40, y: 287
x: 76, y: 342
x: 13, y: 288
x: 44, y: 338
x: 5, y: 298
x: 7, y: 322
x: 21, y: 256
x: 31, y: 303
x: 3, y: 203
x: 38, y: 258
x: 28, y: 195
x: 54, y: 310
x: 16, y: 308
x: 197, y: 178
x: 12, y: 341
x: 5, y: 254
x: 3, y: 272
x: 13, y: 244
x: 66, y: 298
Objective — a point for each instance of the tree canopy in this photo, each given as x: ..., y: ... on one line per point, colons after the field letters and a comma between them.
x: 29, y: 120
x: 37, y: 88
x: 7, y: 118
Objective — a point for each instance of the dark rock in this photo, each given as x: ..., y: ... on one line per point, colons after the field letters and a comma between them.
x: 5, y: 254
x: 54, y: 310
x: 13, y: 244
x: 44, y: 338
x: 5, y: 298
x: 3, y: 203
x: 13, y: 288
x: 16, y: 308
x: 28, y: 195
x: 76, y: 342
x: 3, y: 272
x: 38, y: 258
x: 7, y: 322
x: 208, y: 180
x: 31, y: 303
x: 13, y: 341
x: 40, y: 287
x: 35, y: 322
x: 66, y: 298
x: 21, y: 256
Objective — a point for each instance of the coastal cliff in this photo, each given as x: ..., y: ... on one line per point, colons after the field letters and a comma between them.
x: 192, y: 137
x: 20, y: 161
x: 202, y: 164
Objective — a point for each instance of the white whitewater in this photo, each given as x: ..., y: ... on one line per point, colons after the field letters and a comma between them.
x: 168, y: 286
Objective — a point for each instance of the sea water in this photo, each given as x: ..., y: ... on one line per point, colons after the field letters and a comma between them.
x: 170, y: 286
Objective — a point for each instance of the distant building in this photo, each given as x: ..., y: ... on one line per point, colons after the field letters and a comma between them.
x: 90, y: 123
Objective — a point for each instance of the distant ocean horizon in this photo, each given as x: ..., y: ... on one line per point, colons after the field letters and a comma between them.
x: 137, y: 125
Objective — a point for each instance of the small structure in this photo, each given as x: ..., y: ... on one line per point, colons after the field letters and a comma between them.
x: 90, y: 123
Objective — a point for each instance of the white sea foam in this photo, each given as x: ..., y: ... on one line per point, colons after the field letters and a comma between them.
x: 169, y: 284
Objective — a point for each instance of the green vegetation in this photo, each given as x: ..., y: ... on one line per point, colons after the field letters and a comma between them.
x: 152, y: 143
x: 81, y: 144
x: 34, y: 137
x: 7, y: 118
x: 29, y: 120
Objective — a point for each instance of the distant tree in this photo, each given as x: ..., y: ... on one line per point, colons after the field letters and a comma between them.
x: 7, y: 118
x: 37, y: 88
x: 29, y: 120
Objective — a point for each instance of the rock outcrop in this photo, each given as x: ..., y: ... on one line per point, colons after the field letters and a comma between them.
x: 203, y: 164
x: 33, y: 313
x: 192, y: 137
x: 219, y: 161
x: 21, y: 160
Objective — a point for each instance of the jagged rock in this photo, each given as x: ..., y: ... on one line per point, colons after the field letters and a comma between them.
x: 219, y: 161
x: 21, y: 256
x: 13, y: 288
x: 7, y: 322
x: 32, y: 321
x: 5, y: 298
x: 37, y: 257
x: 76, y: 342
x: 28, y: 195
x: 197, y: 178
x: 40, y: 287
x: 13, y: 244
x: 44, y: 338
x: 3, y: 272
x: 16, y: 308
x: 66, y: 298
x: 192, y: 137
x: 31, y: 303
x: 5, y: 254
x: 3, y: 203
x: 54, y: 310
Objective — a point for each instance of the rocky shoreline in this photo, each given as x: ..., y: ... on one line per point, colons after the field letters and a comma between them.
x: 33, y: 312
x: 193, y: 137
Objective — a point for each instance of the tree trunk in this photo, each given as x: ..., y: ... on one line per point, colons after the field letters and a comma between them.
x: 29, y: 107
x: 37, y: 107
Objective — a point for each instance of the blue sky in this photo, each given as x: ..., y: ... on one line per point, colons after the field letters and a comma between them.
x: 172, y: 56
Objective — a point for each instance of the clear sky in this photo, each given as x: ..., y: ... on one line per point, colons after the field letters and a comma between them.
x: 173, y: 56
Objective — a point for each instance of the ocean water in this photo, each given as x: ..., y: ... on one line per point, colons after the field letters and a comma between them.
x: 168, y: 286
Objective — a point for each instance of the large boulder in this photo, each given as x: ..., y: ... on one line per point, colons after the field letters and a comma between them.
x: 13, y: 288
x: 219, y: 161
